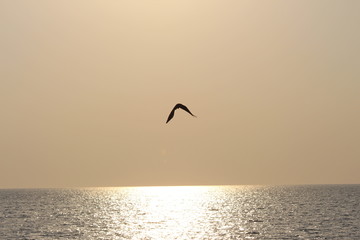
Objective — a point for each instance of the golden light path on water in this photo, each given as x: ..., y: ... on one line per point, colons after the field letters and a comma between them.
x: 181, y: 212
x: 172, y: 210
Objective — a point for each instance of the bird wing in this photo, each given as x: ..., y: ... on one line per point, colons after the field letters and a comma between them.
x: 171, y: 115
x: 183, y: 107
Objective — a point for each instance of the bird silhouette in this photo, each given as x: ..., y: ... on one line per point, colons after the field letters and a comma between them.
x: 179, y: 105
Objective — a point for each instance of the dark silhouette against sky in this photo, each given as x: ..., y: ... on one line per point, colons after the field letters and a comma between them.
x: 179, y: 105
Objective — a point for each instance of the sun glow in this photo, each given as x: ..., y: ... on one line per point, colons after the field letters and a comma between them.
x: 172, y: 191
x: 180, y: 212
x: 164, y: 211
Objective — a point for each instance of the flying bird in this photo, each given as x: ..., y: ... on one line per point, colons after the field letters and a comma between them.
x: 179, y: 105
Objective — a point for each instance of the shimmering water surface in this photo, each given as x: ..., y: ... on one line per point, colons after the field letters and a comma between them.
x: 220, y: 212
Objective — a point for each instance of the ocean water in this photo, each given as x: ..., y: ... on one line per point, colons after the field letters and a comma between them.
x: 204, y: 212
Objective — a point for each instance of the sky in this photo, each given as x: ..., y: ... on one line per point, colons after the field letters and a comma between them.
x: 86, y: 88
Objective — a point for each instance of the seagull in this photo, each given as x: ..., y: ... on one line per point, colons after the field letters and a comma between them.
x: 179, y: 105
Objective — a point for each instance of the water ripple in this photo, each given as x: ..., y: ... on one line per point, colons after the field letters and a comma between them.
x: 226, y: 212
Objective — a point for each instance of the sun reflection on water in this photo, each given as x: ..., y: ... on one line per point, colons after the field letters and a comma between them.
x: 181, y: 212
x: 170, y: 211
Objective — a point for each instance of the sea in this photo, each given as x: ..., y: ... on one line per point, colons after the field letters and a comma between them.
x: 182, y: 212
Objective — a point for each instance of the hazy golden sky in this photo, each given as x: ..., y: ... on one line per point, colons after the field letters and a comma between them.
x: 86, y: 87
